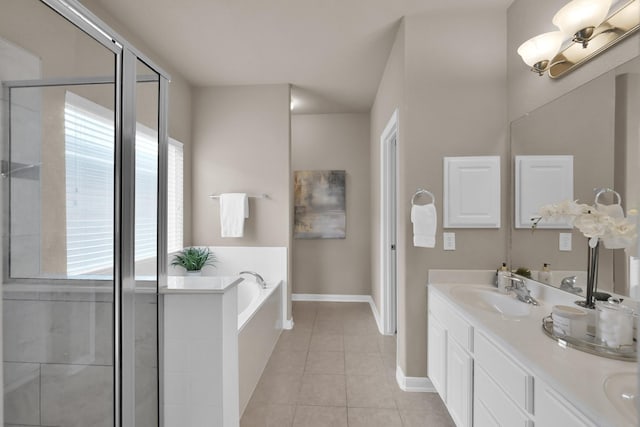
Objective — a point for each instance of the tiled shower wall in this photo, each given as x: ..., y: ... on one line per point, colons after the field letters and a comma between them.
x: 58, y: 359
x: 25, y: 119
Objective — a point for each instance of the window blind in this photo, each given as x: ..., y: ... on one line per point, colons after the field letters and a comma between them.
x: 89, y: 155
x: 174, y: 196
x: 89, y: 162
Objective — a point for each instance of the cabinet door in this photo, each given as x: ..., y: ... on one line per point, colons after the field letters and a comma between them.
x: 553, y: 410
x: 459, y: 384
x: 482, y: 417
x: 437, y: 356
x: 491, y: 406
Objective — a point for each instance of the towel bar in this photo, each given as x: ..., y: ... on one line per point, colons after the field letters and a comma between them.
x: 258, y: 196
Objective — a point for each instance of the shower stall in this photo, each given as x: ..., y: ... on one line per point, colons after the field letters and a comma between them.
x: 83, y: 181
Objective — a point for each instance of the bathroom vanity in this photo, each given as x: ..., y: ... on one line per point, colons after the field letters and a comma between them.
x: 492, y: 364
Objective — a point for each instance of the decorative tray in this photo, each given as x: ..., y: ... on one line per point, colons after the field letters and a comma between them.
x: 590, y: 344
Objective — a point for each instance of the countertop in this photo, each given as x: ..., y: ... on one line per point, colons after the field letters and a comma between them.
x: 576, y: 375
x: 199, y: 284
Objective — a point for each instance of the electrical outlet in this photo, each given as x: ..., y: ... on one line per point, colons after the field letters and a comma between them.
x: 449, y: 241
x: 564, y: 242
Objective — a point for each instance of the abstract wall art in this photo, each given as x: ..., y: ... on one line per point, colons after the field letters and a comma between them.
x: 320, y: 204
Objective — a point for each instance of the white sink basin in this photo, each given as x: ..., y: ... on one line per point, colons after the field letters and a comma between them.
x: 622, y: 391
x: 491, y: 300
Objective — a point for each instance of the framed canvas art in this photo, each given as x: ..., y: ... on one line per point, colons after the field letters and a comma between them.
x: 320, y: 204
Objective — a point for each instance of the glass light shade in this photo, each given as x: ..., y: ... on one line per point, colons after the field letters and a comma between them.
x: 580, y: 14
x: 541, y: 48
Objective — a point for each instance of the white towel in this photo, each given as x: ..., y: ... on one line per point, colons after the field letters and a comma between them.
x: 425, y: 223
x: 614, y: 210
x: 234, y: 208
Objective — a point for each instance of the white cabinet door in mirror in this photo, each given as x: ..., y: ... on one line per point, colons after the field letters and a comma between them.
x: 542, y: 180
x: 472, y: 192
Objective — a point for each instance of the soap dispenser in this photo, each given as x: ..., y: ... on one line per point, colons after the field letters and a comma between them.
x: 503, y: 278
x: 544, y: 275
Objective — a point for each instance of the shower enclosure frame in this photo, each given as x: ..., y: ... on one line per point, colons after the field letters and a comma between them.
x: 124, y: 283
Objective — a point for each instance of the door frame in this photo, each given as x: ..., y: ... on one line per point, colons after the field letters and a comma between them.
x: 388, y: 224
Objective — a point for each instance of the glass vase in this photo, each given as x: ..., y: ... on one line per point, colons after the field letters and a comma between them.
x: 592, y: 274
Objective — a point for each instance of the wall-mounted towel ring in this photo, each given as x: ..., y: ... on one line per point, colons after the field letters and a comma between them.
x: 600, y: 191
x: 421, y: 191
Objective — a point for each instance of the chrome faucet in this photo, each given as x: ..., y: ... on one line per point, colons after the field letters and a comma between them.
x: 518, y: 287
x: 569, y: 284
x: 258, y: 277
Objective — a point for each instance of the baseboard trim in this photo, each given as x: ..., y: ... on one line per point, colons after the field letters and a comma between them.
x: 330, y: 297
x: 376, y: 315
x: 288, y: 324
x: 414, y: 384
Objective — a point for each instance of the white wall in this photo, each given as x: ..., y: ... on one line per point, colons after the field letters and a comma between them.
x: 456, y: 106
x: 389, y: 97
x: 241, y: 143
x: 453, y: 103
x: 330, y: 142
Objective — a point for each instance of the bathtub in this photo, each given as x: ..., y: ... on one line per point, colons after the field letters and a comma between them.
x: 250, y: 297
x: 259, y: 327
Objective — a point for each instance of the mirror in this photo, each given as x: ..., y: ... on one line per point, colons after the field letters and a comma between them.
x: 597, y: 126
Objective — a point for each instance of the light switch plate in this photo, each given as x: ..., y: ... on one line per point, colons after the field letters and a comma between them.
x: 449, y: 241
x: 564, y: 242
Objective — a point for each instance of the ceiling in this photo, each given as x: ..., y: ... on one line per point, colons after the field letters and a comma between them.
x: 333, y: 52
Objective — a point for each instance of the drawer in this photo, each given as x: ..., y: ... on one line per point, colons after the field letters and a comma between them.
x: 493, y: 407
x: 515, y: 381
x: 457, y: 328
x: 554, y: 410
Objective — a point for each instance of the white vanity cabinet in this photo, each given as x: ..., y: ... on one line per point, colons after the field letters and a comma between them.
x: 553, y: 410
x: 450, y: 362
x: 437, y: 359
x: 459, y: 384
x: 481, y: 383
x: 503, y: 390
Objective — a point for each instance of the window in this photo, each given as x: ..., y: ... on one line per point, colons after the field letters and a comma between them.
x: 89, y: 151
x: 89, y: 157
x: 174, y: 197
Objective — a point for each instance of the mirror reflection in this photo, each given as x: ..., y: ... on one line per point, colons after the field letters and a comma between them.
x: 595, y: 131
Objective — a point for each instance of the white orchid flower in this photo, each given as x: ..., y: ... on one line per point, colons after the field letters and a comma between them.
x: 594, y: 222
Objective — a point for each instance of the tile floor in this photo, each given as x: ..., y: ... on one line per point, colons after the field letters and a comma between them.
x: 334, y: 369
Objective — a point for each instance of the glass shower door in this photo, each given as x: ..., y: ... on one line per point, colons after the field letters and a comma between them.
x: 146, y: 245
x: 82, y: 181
x: 59, y: 144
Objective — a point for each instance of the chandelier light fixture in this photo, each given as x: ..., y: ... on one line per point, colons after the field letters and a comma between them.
x: 588, y: 31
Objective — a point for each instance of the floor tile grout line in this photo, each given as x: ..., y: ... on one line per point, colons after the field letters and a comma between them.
x: 385, y: 374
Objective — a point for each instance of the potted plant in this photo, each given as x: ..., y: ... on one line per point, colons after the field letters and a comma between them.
x: 194, y: 259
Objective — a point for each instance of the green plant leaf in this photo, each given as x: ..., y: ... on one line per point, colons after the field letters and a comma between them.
x: 194, y: 259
